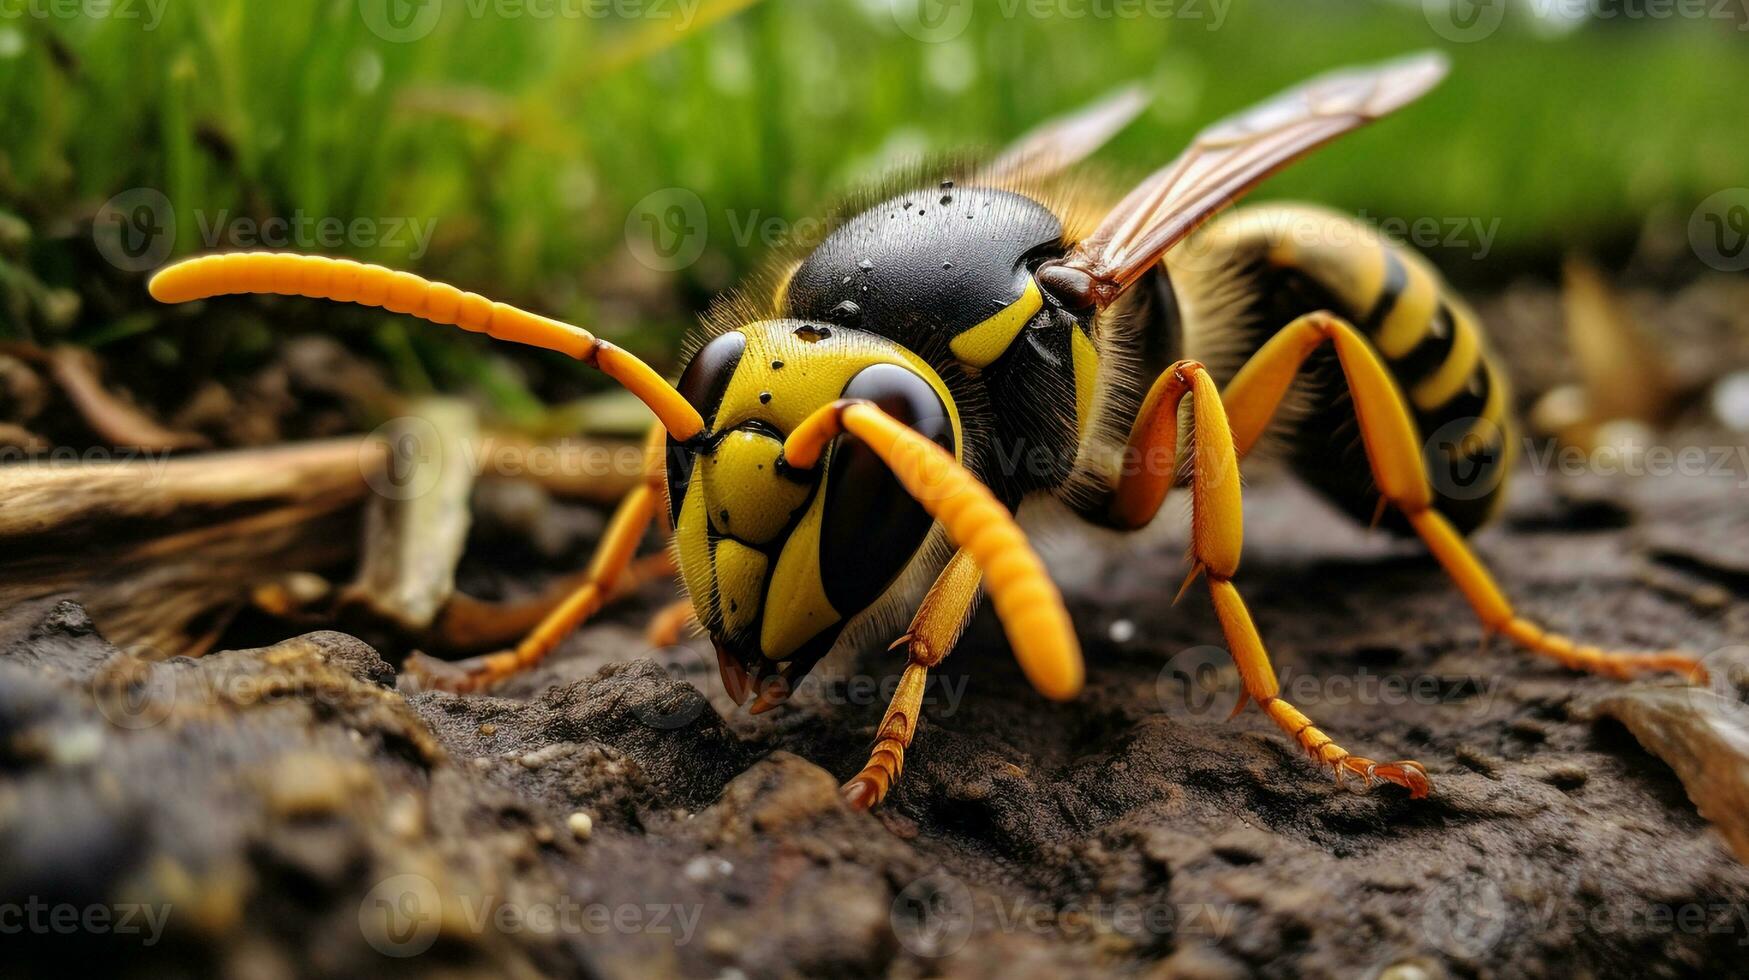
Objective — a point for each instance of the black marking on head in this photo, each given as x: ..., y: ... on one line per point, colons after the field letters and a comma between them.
x: 872, y: 527
x: 921, y: 274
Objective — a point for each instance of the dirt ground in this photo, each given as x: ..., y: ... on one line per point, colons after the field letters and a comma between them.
x: 274, y: 812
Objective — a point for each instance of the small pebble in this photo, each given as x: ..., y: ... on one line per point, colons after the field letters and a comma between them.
x: 542, y: 756
x: 1731, y: 401
x: 77, y: 746
x: 705, y: 867
x: 1567, y: 777
x: 1710, y: 597
x: 582, y: 825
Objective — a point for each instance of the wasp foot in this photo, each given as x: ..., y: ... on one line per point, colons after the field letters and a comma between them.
x: 861, y: 793
x: 1595, y: 660
x: 1410, y: 775
x: 867, y: 788
x: 1323, y: 750
x: 427, y: 673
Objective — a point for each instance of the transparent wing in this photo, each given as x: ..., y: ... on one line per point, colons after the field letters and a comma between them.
x: 1060, y: 143
x: 1225, y: 161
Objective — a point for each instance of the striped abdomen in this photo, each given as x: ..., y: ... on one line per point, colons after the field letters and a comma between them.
x: 1277, y: 263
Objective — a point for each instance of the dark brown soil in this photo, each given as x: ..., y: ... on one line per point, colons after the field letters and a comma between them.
x: 286, y: 811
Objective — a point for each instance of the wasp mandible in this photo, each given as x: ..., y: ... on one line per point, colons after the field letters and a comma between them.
x: 871, y: 413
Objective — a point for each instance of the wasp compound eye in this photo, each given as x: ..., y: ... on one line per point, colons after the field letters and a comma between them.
x: 707, y: 375
x: 873, y: 527
x: 702, y: 384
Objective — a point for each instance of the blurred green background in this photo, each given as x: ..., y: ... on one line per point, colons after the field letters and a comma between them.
x: 523, y: 134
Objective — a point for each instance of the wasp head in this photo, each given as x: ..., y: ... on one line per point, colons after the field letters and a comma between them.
x: 778, y: 559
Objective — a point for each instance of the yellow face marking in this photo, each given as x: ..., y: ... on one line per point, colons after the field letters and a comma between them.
x: 799, y: 373
x: 796, y: 607
x: 982, y: 344
x: 1086, y: 376
x: 693, y: 546
x: 741, y: 497
x: 1444, y: 384
x: 809, y: 374
x: 740, y: 577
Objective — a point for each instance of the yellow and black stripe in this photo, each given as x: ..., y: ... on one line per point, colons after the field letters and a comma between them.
x: 1292, y: 260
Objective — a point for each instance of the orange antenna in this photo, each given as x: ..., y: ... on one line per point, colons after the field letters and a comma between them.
x: 1027, y: 602
x: 346, y: 281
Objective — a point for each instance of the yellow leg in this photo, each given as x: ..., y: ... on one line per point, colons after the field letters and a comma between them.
x: 933, y: 633
x: 471, y: 624
x: 1394, y: 451
x: 613, y: 555
x: 669, y: 624
x: 1217, y: 538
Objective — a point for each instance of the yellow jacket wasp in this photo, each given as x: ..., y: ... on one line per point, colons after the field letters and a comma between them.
x: 951, y: 350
